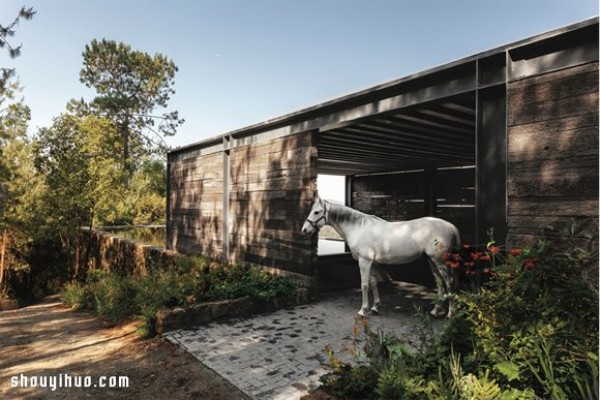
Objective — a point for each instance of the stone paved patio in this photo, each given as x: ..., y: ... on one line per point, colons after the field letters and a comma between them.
x: 277, y: 356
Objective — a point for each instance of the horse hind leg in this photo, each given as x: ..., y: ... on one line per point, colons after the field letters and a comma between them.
x: 442, y: 284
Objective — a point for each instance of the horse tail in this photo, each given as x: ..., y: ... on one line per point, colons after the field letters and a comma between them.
x: 456, y: 237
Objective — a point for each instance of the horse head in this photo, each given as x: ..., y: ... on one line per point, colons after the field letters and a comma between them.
x: 317, y: 217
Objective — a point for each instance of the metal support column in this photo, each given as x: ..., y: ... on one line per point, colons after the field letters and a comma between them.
x: 429, y: 195
x: 491, y: 163
x: 226, y: 195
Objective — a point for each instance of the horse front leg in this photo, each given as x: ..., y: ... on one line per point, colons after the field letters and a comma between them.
x: 365, y: 276
x: 374, y: 282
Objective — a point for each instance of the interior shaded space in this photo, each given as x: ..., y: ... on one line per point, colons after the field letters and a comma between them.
x: 402, y: 165
x: 340, y: 271
x: 440, y: 133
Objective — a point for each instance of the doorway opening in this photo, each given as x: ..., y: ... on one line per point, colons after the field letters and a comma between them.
x: 333, y: 188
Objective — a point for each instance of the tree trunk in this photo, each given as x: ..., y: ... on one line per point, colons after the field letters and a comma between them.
x: 3, y: 255
x: 125, y: 139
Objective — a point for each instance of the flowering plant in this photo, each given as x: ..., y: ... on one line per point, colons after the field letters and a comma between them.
x: 474, y: 265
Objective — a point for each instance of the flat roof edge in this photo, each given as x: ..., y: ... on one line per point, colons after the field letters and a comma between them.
x: 288, y: 117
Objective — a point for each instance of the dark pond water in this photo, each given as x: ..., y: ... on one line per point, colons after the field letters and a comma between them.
x: 155, y: 235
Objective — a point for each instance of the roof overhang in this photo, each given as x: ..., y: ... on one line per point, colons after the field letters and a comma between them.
x: 421, y: 120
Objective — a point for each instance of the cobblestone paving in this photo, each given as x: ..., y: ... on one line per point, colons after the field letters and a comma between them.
x: 277, y: 356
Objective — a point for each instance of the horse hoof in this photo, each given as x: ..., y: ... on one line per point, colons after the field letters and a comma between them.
x: 361, y: 314
x: 374, y: 311
x: 438, y: 313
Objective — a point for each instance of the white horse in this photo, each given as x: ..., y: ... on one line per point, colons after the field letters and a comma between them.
x: 373, y: 240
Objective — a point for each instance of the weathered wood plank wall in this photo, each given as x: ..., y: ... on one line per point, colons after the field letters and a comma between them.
x: 196, y: 205
x: 268, y: 192
x: 444, y: 193
x: 393, y: 197
x: 272, y: 186
x: 552, y: 151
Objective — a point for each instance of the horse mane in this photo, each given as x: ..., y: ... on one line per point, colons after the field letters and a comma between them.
x: 344, y: 213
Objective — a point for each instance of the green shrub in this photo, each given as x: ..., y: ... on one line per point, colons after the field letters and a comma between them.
x: 529, y: 330
x: 352, y: 382
x: 113, y: 296
x: 192, y: 280
x: 227, y: 282
x: 158, y: 289
x: 75, y: 295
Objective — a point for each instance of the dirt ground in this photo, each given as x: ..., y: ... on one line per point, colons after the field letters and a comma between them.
x: 47, y: 344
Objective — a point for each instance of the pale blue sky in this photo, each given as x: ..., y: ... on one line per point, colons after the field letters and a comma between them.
x: 242, y: 62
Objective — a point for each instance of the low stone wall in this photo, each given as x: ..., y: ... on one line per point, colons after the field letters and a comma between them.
x: 168, y: 319
x: 108, y: 252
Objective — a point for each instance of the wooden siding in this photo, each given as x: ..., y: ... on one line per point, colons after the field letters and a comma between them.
x: 196, y: 205
x: 552, y: 151
x: 455, y: 200
x: 444, y: 193
x: 393, y: 197
x: 272, y: 185
x: 268, y: 192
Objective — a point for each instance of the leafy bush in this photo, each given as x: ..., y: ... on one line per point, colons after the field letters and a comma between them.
x: 156, y: 290
x: 75, y: 295
x: 113, y: 295
x: 192, y: 280
x: 527, y: 328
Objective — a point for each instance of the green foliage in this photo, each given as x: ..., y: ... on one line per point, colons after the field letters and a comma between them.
x: 75, y: 295
x: 225, y: 282
x: 7, y: 31
x: 156, y: 290
x: 113, y: 296
x: 142, y: 201
x: 71, y: 174
x: 530, y: 331
x: 117, y: 298
x: 130, y: 85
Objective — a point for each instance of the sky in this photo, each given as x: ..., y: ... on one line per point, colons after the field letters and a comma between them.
x: 242, y: 62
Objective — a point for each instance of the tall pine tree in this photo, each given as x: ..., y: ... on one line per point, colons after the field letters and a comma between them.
x: 130, y: 86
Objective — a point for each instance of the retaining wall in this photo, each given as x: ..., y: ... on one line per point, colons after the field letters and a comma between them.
x: 108, y: 252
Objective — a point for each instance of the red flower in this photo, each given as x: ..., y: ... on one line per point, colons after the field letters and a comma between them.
x: 469, y: 263
x: 529, y: 263
x: 446, y: 256
x: 466, y: 246
x: 515, y: 252
x: 475, y: 256
x: 452, y: 264
x: 489, y: 272
x: 494, y: 249
x: 485, y: 257
x: 456, y: 257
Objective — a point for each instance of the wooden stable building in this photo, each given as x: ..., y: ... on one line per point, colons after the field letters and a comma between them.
x: 507, y: 138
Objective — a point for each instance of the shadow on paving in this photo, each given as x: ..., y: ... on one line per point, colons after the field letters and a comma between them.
x: 278, y: 356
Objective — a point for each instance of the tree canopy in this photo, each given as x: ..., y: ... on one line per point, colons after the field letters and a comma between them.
x: 131, y: 86
x: 6, y: 32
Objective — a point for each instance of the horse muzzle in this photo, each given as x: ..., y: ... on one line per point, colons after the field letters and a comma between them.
x: 308, y: 229
x: 311, y: 227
